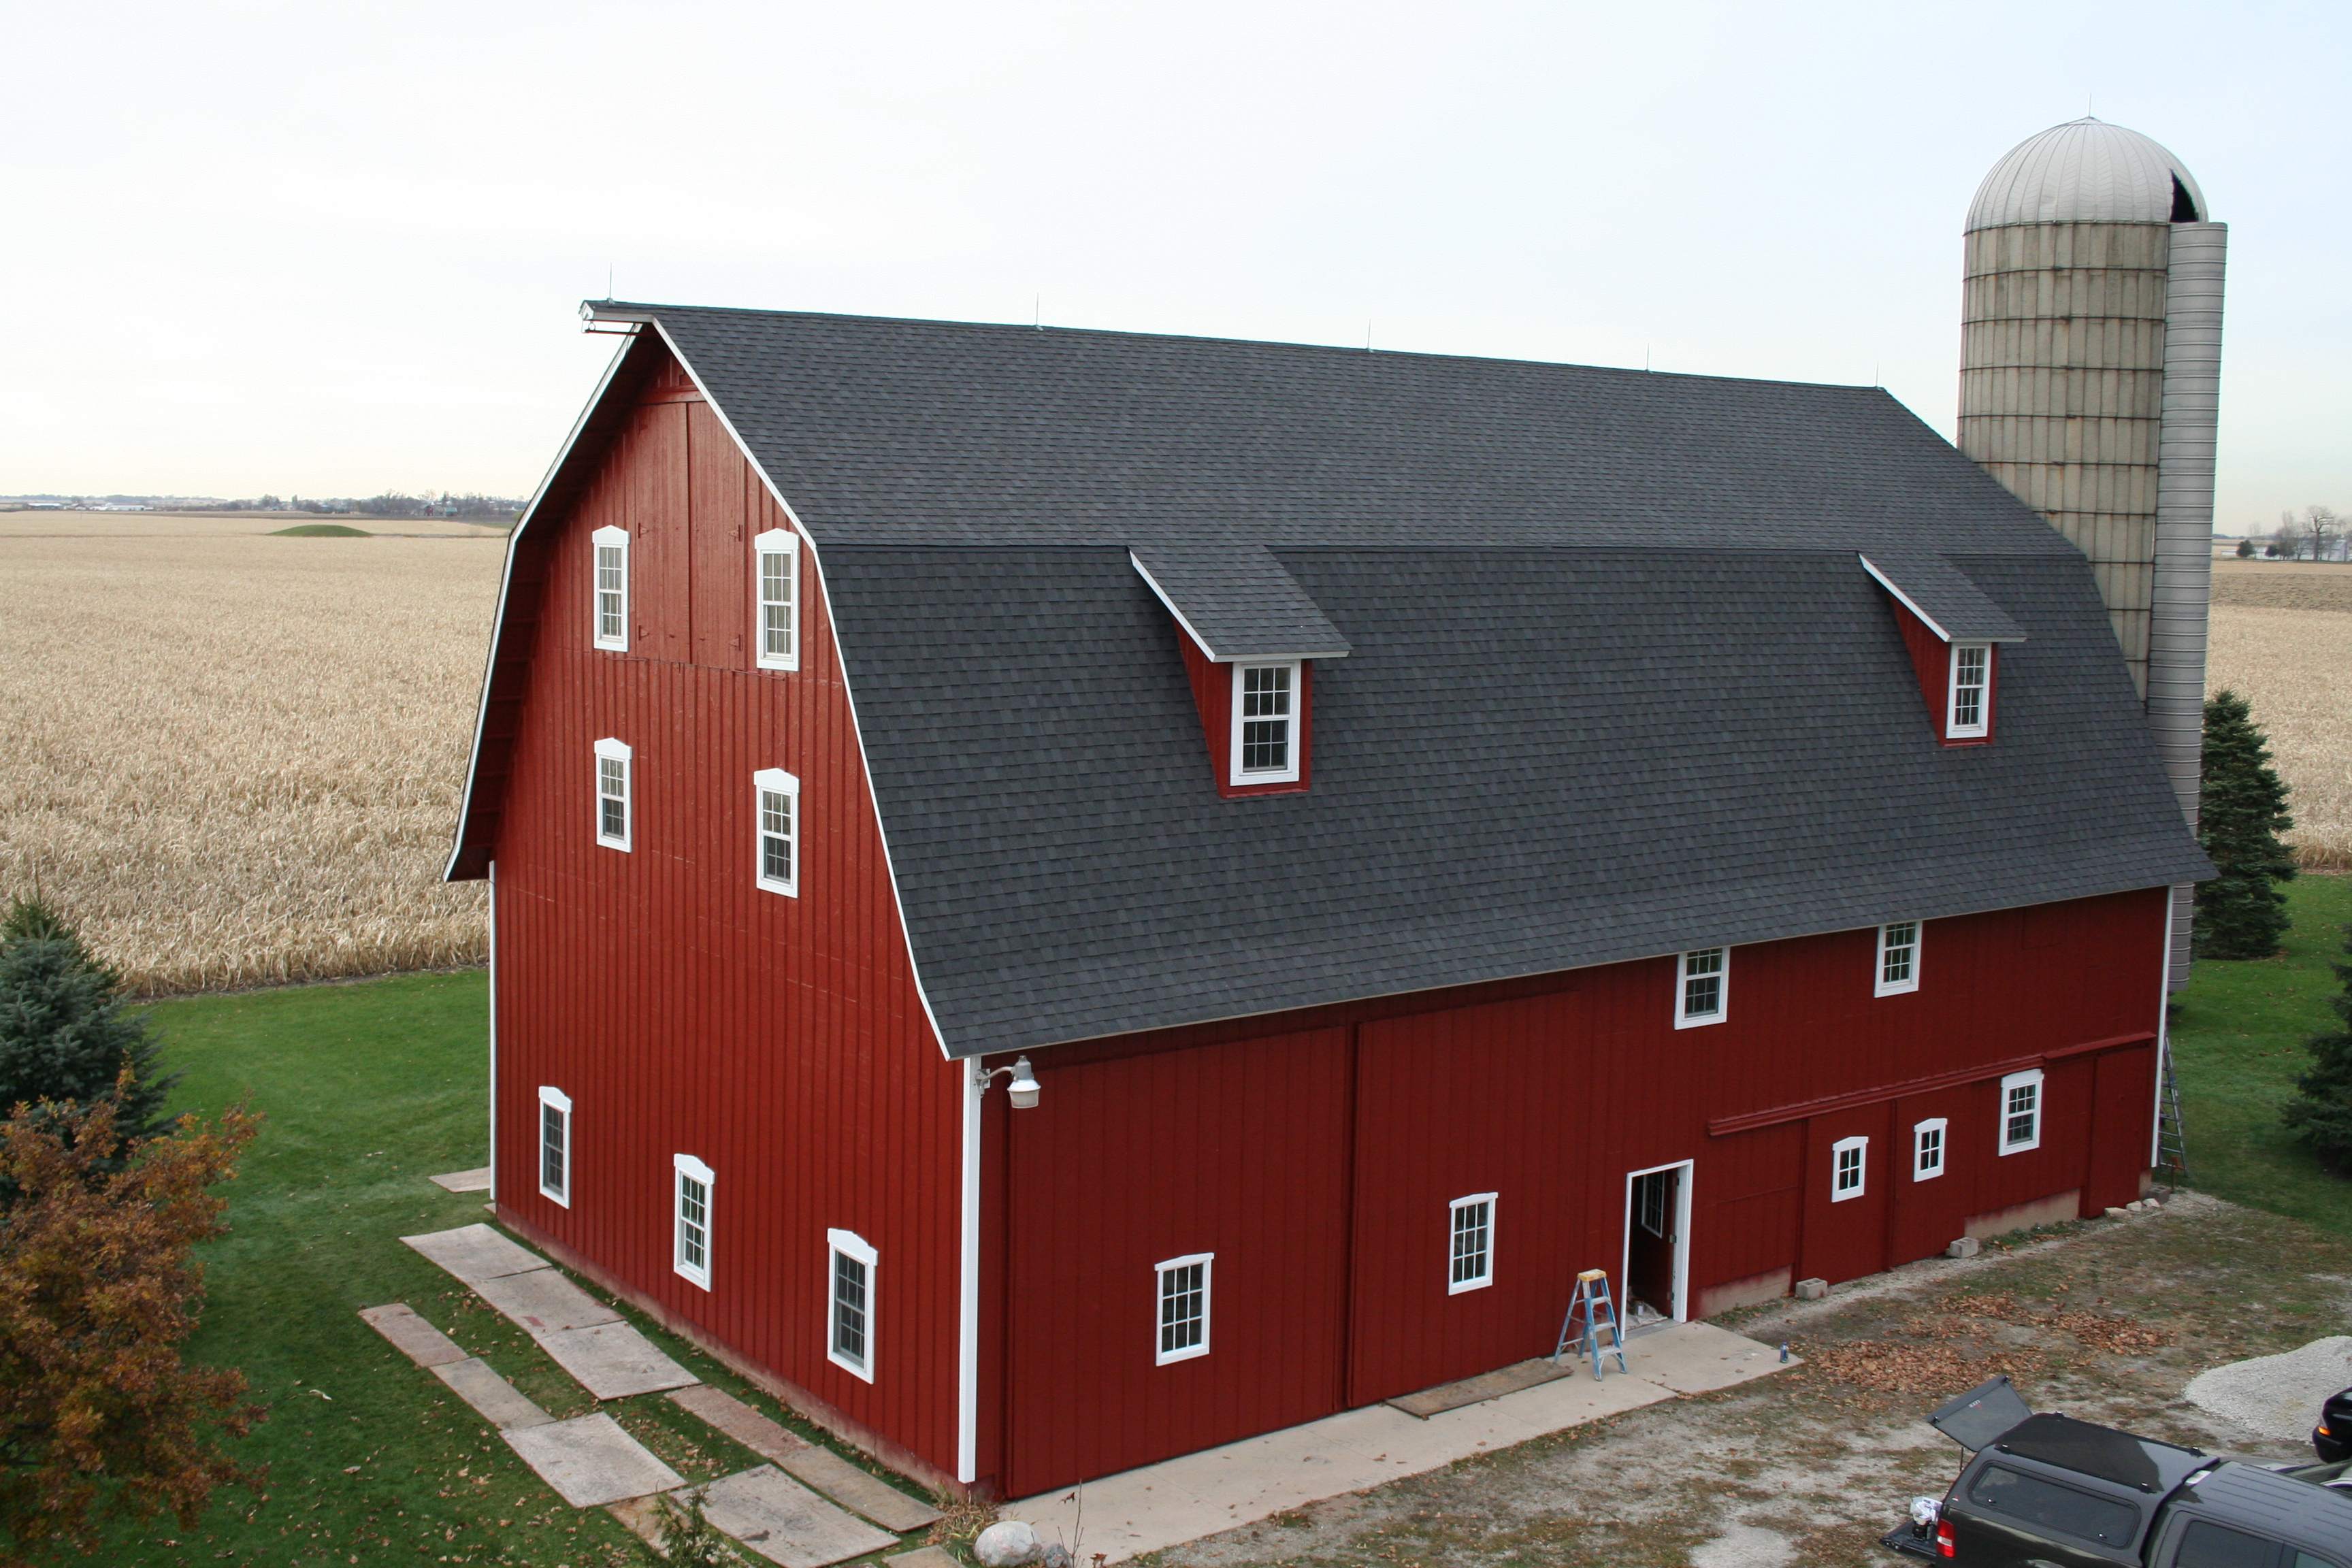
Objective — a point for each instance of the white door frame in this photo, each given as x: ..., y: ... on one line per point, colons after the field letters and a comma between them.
x: 1682, y: 1238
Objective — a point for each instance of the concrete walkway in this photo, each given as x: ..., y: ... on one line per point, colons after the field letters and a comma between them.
x: 1199, y: 1494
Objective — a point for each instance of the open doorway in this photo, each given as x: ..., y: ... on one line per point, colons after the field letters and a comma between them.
x: 1657, y: 1245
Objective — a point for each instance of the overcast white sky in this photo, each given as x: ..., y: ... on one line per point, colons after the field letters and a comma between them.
x: 331, y: 249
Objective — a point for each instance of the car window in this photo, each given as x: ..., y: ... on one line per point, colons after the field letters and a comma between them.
x: 2305, y: 1560
x: 2205, y: 1544
x: 2030, y: 1499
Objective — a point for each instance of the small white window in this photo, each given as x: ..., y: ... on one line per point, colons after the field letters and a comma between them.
x: 1473, y: 1227
x: 612, y: 765
x: 776, y: 578
x: 1183, y: 1307
x: 2021, y: 1111
x: 1702, y: 987
x: 555, y: 1146
x: 1927, y: 1148
x: 1971, y: 681
x: 1266, y: 724
x: 612, y: 611
x: 694, y: 1184
x: 614, y: 760
x: 1898, y: 957
x: 1848, y: 1158
x: 777, y: 805
x: 849, y: 1340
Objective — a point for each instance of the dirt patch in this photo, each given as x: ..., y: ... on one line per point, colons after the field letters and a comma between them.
x: 2106, y: 1319
x: 2284, y: 585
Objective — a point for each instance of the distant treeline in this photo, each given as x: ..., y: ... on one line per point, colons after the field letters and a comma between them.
x: 391, y: 503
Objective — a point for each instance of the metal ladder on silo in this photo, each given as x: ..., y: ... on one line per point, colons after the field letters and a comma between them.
x: 1596, y: 1314
x: 2171, y: 1153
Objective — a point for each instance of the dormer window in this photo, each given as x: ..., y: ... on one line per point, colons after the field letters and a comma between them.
x: 1265, y: 716
x: 1971, y: 688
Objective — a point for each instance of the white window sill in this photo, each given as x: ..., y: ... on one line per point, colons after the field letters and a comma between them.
x: 849, y: 1366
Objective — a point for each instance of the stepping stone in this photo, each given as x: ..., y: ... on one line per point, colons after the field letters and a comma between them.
x: 411, y: 1335
x: 821, y: 1467
x: 786, y: 1522
x: 494, y: 1399
x: 543, y: 1301
x: 590, y: 1461
x: 465, y: 1181
x: 922, y: 1557
x: 475, y: 1253
x: 613, y: 1361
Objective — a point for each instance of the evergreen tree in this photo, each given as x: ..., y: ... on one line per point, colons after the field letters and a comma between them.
x: 64, y: 1033
x: 2241, y: 812
x: 2321, y: 1112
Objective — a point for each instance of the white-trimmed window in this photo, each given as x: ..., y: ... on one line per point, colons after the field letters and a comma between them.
x: 614, y: 761
x: 555, y: 1146
x: 1183, y: 1306
x: 849, y: 1331
x: 1702, y: 987
x: 2021, y: 1111
x: 1266, y: 724
x: 693, y: 1251
x: 1472, y: 1225
x: 1898, y: 958
x: 776, y: 582
x: 1970, y: 712
x: 1849, y: 1164
x: 776, y: 803
x: 1927, y: 1147
x: 611, y: 588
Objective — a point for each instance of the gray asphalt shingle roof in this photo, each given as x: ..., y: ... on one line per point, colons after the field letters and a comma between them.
x: 1237, y: 601
x: 1936, y: 589
x: 1619, y: 685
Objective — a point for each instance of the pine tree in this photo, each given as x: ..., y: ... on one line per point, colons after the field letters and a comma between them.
x: 65, y: 1036
x: 2241, y: 812
x: 2321, y: 1112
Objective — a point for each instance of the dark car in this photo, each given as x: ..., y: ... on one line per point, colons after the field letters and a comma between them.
x: 2051, y: 1491
x: 2332, y: 1439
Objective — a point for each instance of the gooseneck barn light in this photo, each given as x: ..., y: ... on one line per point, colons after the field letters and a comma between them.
x: 1022, y: 1087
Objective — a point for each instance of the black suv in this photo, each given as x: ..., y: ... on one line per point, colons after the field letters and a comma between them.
x: 2049, y: 1491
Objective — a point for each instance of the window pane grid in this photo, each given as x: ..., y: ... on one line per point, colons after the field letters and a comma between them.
x: 849, y: 1295
x: 612, y: 797
x: 1183, y: 1307
x: 1930, y: 1156
x: 1969, y: 670
x: 1470, y: 1237
x: 612, y: 578
x: 693, y: 1224
x: 1901, y: 945
x: 1703, y: 984
x: 552, y: 1141
x: 2024, y: 1107
x: 775, y: 604
x: 1849, y: 1170
x: 1265, y: 719
x: 775, y: 835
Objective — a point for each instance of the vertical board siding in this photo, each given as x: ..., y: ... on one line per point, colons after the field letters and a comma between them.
x: 1550, y: 1098
x: 1236, y: 1150
x: 685, y: 1010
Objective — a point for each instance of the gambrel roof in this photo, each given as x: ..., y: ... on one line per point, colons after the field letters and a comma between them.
x: 1618, y: 683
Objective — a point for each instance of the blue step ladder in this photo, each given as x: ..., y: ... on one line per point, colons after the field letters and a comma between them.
x: 1589, y: 1315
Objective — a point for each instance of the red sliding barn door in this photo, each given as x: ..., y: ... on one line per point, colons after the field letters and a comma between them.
x: 1237, y: 1151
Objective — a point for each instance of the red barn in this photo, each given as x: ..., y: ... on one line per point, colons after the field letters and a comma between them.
x: 1421, y: 826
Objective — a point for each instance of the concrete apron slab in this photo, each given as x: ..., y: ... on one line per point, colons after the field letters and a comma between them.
x: 589, y: 1460
x: 613, y: 1361
x: 494, y: 1399
x: 1201, y: 1494
x: 786, y: 1522
x: 475, y: 1253
x: 542, y: 1301
x: 474, y: 1181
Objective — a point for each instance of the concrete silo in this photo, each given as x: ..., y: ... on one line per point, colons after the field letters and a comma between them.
x: 2090, y: 370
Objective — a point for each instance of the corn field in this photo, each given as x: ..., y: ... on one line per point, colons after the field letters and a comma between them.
x: 2296, y: 667
x: 235, y: 760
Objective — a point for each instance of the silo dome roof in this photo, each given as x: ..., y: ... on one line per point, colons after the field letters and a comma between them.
x: 2087, y: 170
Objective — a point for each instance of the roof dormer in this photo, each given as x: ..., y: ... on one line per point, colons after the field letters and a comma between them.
x: 1954, y: 633
x: 1251, y: 637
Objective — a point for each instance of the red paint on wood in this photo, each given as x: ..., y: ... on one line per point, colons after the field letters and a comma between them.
x: 684, y: 1009
x: 1213, y: 693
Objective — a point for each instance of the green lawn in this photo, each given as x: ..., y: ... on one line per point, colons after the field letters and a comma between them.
x: 2239, y: 1038
x: 369, y: 1089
